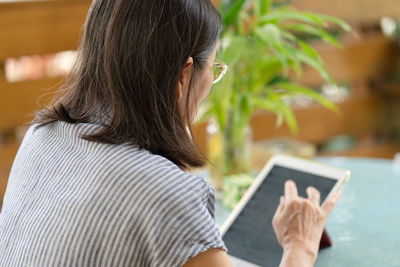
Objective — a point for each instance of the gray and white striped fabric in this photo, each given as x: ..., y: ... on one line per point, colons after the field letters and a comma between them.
x: 72, y: 202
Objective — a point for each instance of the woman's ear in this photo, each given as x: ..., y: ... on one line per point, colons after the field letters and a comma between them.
x: 184, y: 80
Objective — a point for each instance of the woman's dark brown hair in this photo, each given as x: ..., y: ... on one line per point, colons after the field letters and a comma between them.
x: 129, y: 62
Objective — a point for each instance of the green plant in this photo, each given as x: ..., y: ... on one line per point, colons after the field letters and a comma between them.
x: 263, y: 46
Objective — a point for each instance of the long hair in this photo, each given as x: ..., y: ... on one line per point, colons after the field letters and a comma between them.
x: 129, y: 62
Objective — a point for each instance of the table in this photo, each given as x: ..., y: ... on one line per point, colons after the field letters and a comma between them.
x: 365, y: 224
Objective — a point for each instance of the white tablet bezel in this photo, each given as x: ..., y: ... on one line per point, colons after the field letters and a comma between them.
x: 341, y: 175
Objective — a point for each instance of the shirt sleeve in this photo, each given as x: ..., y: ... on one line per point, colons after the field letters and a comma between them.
x: 188, y: 227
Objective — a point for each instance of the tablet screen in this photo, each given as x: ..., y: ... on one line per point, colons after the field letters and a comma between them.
x: 251, y: 236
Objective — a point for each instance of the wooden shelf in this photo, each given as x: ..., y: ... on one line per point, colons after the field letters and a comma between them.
x: 27, y: 26
x: 370, y: 150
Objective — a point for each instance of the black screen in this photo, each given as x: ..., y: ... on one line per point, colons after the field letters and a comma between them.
x: 251, y: 236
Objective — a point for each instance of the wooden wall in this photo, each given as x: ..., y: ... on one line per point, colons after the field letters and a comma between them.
x: 353, y: 11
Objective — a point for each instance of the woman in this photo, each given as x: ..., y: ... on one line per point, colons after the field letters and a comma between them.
x: 100, y: 179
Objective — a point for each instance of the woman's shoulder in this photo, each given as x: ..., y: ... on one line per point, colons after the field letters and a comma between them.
x: 169, y: 181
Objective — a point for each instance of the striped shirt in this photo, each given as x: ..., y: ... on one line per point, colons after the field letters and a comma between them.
x: 72, y: 202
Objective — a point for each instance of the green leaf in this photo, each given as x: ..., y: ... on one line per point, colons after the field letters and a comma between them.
x: 288, y: 115
x: 270, y: 34
x: 264, y: 103
x: 261, y: 7
x: 308, y: 57
x: 296, y: 89
x: 241, y: 27
x: 265, y: 6
x: 291, y: 58
x: 245, y: 108
x: 260, y: 103
x: 283, y: 14
x: 234, y: 50
x: 275, y: 103
x: 267, y: 70
x: 278, y: 79
x: 334, y: 20
x: 289, y: 36
x: 233, y: 13
x: 217, y: 109
x: 311, y: 30
x: 310, y: 51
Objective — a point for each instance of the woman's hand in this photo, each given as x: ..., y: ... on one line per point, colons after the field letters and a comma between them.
x: 298, y: 224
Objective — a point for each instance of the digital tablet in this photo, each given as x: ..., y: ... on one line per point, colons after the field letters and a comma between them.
x: 248, y: 233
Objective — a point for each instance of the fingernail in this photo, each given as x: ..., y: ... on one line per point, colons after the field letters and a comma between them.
x: 290, y: 182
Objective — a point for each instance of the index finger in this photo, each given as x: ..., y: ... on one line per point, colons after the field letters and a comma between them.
x: 291, y: 189
x: 314, y: 195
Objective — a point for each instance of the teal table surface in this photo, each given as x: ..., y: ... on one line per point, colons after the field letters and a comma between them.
x: 365, y: 224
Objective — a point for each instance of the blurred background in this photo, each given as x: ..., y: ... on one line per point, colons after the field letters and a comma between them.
x: 38, y: 40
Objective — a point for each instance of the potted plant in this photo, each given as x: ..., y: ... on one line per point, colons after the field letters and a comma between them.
x: 263, y: 45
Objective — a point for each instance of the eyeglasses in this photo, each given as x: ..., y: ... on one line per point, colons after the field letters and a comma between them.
x: 219, y: 70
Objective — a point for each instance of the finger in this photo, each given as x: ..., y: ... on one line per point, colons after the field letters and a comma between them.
x: 281, y: 204
x: 313, y: 195
x: 290, y: 189
x: 328, y: 206
x: 279, y: 209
